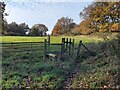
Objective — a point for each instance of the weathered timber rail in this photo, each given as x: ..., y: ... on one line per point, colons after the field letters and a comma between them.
x: 22, y: 46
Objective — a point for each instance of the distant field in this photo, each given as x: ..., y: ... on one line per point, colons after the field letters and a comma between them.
x: 21, y: 39
x: 54, y: 39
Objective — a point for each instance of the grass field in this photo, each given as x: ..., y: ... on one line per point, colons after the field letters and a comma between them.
x: 27, y: 69
x: 54, y: 39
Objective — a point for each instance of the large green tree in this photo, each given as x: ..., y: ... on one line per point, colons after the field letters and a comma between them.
x: 17, y: 29
x: 38, y: 30
x: 103, y: 15
x: 24, y: 27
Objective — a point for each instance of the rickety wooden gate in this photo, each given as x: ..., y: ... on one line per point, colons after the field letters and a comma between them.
x: 67, y: 46
x: 79, y: 47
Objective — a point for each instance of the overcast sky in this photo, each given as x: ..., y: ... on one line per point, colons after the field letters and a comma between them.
x: 48, y: 12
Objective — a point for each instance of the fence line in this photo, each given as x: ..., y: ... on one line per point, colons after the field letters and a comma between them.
x: 19, y: 42
x: 22, y: 46
x: 66, y: 46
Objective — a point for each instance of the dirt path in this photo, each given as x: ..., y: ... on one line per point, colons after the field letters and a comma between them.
x: 68, y: 82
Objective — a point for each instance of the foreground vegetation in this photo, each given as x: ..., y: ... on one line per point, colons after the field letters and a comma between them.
x: 102, y: 70
x: 27, y: 69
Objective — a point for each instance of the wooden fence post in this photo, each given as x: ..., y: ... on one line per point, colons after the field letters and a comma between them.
x: 66, y: 44
x: 72, y: 46
x: 79, y: 49
x: 45, y: 49
x: 48, y: 42
x: 63, y: 45
x: 48, y: 38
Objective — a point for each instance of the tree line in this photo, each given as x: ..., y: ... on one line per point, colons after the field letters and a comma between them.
x: 96, y: 17
x: 14, y: 29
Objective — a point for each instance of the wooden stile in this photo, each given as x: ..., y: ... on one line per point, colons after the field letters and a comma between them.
x: 66, y: 47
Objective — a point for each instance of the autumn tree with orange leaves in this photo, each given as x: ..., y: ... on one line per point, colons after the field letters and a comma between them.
x: 64, y: 25
x: 103, y: 15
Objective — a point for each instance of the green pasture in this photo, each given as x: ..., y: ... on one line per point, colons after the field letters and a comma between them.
x: 54, y: 39
x: 27, y: 69
x: 19, y: 67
